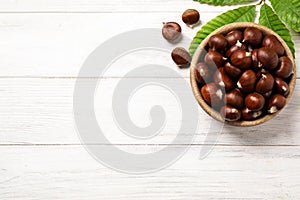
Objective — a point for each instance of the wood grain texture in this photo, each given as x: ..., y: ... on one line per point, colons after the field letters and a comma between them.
x: 69, y: 172
x: 40, y: 111
x: 115, y: 6
x: 56, y: 45
x: 43, y: 45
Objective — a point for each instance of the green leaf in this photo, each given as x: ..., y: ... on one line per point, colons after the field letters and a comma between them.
x: 288, y: 11
x: 241, y: 14
x: 269, y: 19
x: 224, y: 2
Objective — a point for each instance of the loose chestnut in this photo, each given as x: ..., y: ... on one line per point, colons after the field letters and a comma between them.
x: 276, y: 103
x: 268, y: 58
x: 254, y: 101
x: 233, y: 36
x: 247, y: 81
x: 181, y: 57
x: 281, y: 87
x: 234, y: 48
x: 265, y: 84
x: 212, y: 94
x: 241, y: 59
x: 253, y: 36
x: 234, y: 98
x: 203, y: 74
x: 272, y: 42
x: 217, y: 42
x: 231, y: 70
x: 213, y: 58
x: 249, y: 115
x: 230, y: 113
x: 285, y: 68
x: 171, y: 31
x: 223, y: 80
x: 191, y: 17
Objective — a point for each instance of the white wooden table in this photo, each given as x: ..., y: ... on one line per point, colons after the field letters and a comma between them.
x: 43, y: 45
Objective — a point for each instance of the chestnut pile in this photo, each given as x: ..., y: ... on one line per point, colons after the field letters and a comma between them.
x: 244, y: 74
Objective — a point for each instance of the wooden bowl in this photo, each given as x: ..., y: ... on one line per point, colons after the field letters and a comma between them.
x: 201, y: 50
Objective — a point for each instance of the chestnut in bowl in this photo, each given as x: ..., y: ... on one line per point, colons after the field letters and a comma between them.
x: 280, y: 84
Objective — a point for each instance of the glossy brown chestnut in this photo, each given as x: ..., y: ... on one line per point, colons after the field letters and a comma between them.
x: 217, y: 42
x: 249, y: 115
x: 272, y: 42
x: 242, y: 59
x: 234, y: 48
x: 253, y: 36
x: 190, y: 17
x: 212, y: 94
x: 254, y: 101
x: 181, y: 57
x: 223, y: 80
x: 231, y: 70
x: 285, y: 68
x: 281, y: 87
x: 171, y: 31
x: 203, y: 73
x: 214, y: 58
x: 265, y: 84
x: 234, y: 98
x: 247, y: 81
x: 230, y: 113
x: 268, y: 58
x: 276, y: 103
x: 233, y: 36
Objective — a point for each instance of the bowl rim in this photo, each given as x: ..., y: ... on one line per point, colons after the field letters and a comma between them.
x: 196, y: 90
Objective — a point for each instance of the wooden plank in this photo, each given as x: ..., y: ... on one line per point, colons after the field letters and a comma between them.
x: 69, y: 172
x: 56, y: 45
x: 105, y: 6
x: 39, y: 111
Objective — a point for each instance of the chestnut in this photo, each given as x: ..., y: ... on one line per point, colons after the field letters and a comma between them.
x: 254, y: 101
x: 281, y: 87
x: 230, y: 113
x: 241, y: 59
x: 234, y: 48
x: 247, y: 81
x: 273, y: 43
x: 203, y: 74
x: 217, y: 42
x: 191, y: 17
x: 250, y: 115
x: 253, y: 36
x: 171, y: 31
x: 268, y: 58
x: 276, y: 103
x: 234, y: 98
x: 231, y: 70
x: 233, y: 36
x: 212, y: 94
x: 223, y: 80
x: 181, y: 57
x: 265, y: 84
x: 214, y: 58
x: 285, y: 68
